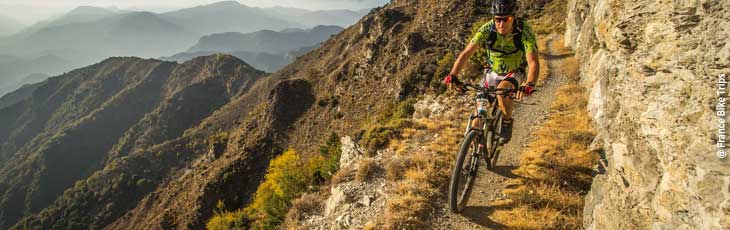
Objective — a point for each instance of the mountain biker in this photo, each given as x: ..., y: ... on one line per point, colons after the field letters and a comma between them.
x: 511, y: 45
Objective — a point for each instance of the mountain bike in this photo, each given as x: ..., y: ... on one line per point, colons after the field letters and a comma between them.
x: 479, y: 142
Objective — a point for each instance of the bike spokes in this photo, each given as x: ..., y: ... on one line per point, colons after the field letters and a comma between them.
x: 465, y: 171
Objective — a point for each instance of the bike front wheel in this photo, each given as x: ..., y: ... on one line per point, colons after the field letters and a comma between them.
x: 465, y: 171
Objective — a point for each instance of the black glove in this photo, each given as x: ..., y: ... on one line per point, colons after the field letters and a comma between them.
x: 528, y: 89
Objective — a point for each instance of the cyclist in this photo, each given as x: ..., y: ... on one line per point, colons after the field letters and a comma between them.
x: 511, y: 46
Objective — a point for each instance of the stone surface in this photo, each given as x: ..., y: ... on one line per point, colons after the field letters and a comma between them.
x: 651, y: 68
x: 337, y: 197
x: 351, y: 152
x: 429, y: 106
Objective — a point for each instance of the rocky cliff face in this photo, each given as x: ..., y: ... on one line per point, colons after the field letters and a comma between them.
x: 652, y: 69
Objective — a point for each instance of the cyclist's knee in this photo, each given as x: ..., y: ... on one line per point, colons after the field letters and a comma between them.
x: 505, y: 85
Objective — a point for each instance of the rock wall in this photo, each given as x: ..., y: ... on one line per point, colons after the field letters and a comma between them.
x: 652, y: 69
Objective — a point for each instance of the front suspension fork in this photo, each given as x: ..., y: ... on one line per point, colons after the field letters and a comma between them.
x: 468, y: 123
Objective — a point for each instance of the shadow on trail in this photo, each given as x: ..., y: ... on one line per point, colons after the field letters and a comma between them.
x: 480, y: 215
x: 506, y: 171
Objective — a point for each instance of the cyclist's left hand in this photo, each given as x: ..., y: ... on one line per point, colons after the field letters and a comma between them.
x: 525, y: 90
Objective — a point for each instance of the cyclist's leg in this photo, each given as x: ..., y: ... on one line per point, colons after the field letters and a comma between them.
x: 505, y: 102
x: 506, y: 105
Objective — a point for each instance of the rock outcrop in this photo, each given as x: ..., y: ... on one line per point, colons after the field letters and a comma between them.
x: 652, y: 69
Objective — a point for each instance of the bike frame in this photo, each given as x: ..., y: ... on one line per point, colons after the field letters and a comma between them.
x: 486, y: 103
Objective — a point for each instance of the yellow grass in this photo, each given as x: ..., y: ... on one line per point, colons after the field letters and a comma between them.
x: 397, y: 145
x: 365, y: 169
x: 420, y: 176
x: 544, y: 71
x: 555, y: 170
x: 307, y: 203
x: 343, y: 175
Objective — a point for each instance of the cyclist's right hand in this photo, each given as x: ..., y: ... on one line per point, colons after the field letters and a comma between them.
x: 452, y: 80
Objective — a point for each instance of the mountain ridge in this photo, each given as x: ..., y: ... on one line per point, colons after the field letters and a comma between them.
x: 356, y: 75
x: 85, y: 35
x: 161, y: 96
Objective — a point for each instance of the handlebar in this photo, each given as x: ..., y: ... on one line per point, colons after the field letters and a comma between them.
x: 478, y: 88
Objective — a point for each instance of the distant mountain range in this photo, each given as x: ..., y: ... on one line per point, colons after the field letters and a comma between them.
x: 260, y: 60
x: 77, y: 15
x: 88, y: 34
x: 343, y: 18
x: 265, y: 40
x: 264, y: 50
x: 14, y: 72
x: 228, y: 16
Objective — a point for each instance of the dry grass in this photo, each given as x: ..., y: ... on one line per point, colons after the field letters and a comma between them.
x: 432, y: 124
x: 372, y: 225
x: 556, y: 169
x: 551, y: 19
x: 308, y: 203
x: 408, y: 132
x: 544, y: 68
x: 366, y: 168
x: 419, y: 176
x: 397, y: 145
x: 394, y: 169
x: 343, y: 175
x: 407, y: 211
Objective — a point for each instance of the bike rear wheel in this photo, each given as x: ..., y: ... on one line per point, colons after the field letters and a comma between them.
x: 465, y: 171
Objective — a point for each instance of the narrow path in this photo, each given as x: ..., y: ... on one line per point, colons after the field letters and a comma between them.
x: 528, y: 115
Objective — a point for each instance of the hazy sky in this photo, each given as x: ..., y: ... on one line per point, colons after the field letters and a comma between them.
x: 30, y: 11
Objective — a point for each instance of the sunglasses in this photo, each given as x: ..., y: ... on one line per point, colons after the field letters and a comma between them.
x: 502, y: 19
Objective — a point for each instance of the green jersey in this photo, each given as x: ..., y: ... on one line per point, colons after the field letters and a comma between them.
x: 499, y: 62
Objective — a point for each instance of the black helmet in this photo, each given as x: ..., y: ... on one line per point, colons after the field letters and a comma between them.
x: 504, y: 7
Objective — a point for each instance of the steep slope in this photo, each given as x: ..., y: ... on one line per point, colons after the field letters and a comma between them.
x: 353, y: 78
x: 74, y: 123
x: 29, y: 83
x: 653, y: 69
x: 360, y: 73
x: 262, y: 61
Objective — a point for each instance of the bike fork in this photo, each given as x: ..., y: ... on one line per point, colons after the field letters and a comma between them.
x: 468, y: 124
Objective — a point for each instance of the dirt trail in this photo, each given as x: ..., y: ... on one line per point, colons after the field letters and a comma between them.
x: 528, y: 115
x: 354, y: 204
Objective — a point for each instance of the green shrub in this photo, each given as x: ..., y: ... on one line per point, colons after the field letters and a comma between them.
x: 388, y: 125
x: 330, y: 153
x: 287, y: 177
x: 225, y: 221
x: 443, y: 69
x: 283, y: 182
